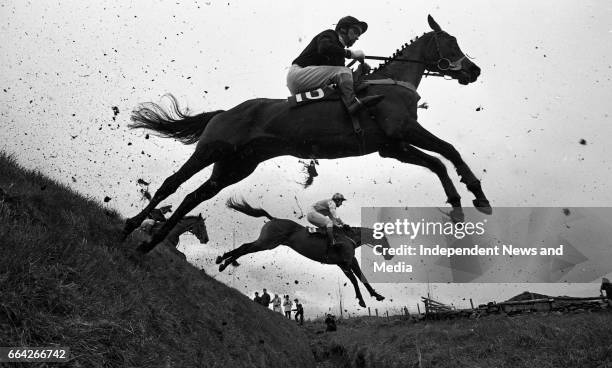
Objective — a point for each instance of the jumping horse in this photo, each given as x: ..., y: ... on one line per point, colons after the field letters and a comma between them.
x: 314, y: 246
x: 238, y: 139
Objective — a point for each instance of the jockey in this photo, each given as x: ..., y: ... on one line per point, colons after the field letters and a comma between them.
x: 154, y: 217
x: 323, y: 214
x: 322, y: 63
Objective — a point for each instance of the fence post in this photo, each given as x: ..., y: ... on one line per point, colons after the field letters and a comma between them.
x: 419, y: 309
x: 387, y: 315
x: 471, y: 303
x: 376, y: 310
x: 369, y: 312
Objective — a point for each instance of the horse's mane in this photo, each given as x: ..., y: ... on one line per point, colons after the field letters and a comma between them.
x: 381, y: 68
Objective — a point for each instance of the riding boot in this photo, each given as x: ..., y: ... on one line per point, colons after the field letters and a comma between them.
x: 331, y: 241
x: 352, y: 103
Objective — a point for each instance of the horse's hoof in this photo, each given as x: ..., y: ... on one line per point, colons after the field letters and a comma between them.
x: 218, y: 260
x: 235, y: 264
x: 379, y: 298
x: 362, y: 304
x: 456, y: 215
x: 483, y: 206
x: 222, y: 267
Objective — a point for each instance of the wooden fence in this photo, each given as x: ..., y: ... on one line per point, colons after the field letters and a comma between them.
x: 437, y: 310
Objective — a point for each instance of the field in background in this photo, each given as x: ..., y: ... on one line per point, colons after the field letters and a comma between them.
x: 539, y: 340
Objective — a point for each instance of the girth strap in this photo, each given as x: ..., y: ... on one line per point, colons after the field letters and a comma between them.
x: 371, y: 82
x: 389, y: 82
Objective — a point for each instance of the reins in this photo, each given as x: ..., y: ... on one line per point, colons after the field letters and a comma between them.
x: 384, y: 58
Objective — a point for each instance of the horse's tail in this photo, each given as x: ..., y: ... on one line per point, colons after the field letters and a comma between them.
x: 171, y: 122
x: 244, y: 207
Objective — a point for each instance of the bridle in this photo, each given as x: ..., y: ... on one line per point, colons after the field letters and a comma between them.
x: 442, y: 64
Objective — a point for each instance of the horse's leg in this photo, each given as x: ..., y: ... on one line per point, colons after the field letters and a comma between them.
x: 357, y: 271
x: 230, y: 257
x: 408, y: 154
x: 422, y: 138
x: 349, y: 273
x: 203, y: 156
x: 235, y: 253
x: 225, y: 173
x: 270, y: 237
x: 248, y: 248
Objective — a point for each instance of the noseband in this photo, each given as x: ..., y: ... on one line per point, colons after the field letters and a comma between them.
x: 443, y: 63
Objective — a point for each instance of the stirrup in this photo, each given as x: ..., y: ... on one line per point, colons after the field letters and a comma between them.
x: 355, y: 106
x: 365, y: 101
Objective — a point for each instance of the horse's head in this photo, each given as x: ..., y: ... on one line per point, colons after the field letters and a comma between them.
x: 445, y: 57
x: 198, y: 228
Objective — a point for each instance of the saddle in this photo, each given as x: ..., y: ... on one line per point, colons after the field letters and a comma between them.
x: 327, y: 93
x: 321, y: 231
x: 316, y: 231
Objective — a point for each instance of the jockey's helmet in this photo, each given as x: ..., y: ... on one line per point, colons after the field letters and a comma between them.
x: 348, y: 21
x: 338, y: 197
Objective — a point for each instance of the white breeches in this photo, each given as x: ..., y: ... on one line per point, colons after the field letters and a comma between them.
x: 319, y: 220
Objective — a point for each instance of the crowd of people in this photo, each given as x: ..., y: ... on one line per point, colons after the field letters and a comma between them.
x: 285, y: 305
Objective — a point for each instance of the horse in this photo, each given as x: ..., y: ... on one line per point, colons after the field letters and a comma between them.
x: 238, y: 139
x: 313, y: 246
x: 196, y: 225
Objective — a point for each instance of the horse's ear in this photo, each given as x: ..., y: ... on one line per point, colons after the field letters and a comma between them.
x: 433, y: 24
x: 200, y: 215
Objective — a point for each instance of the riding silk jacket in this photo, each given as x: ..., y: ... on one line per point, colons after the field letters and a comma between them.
x: 327, y: 208
x: 324, y: 49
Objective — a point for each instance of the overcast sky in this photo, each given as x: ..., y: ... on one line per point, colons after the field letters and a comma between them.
x: 545, y: 85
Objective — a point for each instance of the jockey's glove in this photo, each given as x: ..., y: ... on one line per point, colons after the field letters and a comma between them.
x: 357, y: 54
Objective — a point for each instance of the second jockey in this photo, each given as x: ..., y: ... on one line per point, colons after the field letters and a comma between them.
x: 323, y: 214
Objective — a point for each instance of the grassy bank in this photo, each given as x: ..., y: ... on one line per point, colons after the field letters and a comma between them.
x: 65, y: 280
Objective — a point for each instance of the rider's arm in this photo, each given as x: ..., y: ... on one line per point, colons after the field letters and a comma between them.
x: 333, y: 214
x: 326, y: 45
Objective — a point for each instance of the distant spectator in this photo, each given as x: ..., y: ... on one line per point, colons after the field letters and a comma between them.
x: 276, y: 304
x: 287, y: 306
x: 265, y: 298
x: 257, y: 298
x: 299, y: 311
x: 330, y: 321
x: 607, y: 287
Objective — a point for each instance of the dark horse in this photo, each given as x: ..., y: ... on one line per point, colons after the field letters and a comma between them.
x: 314, y: 246
x: 237, y: 140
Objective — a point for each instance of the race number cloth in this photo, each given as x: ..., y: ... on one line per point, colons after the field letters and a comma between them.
x: 319, y: 94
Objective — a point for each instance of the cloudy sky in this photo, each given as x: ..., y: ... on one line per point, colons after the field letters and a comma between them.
x: 545, y: 86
